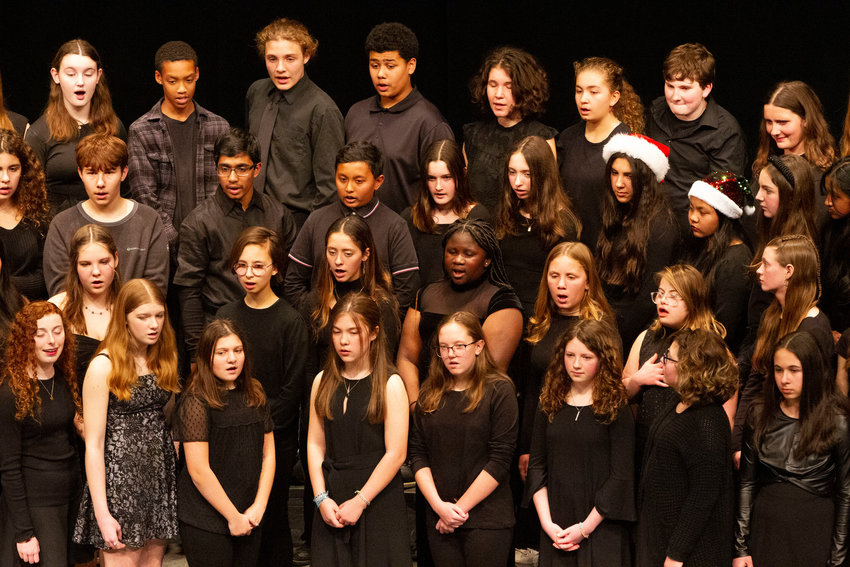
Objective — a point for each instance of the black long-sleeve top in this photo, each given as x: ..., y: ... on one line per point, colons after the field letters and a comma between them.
x: 457, y: 446
x: 279, y: 347
x: 686, y: 495
x: 38, y: 462
x: 203, y: 261
x: 24, y: 246
x: 826, y: 475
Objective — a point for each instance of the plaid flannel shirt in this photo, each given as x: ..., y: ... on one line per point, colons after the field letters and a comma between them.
x: 152, y: 176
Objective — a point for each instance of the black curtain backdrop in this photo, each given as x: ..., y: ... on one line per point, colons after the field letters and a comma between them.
x: 756, y: 44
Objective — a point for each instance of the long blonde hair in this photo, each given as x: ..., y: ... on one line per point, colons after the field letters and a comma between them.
x: 161, y: 356
x: 441, y: 381
x: 593, y: 305
x: 688, y: 282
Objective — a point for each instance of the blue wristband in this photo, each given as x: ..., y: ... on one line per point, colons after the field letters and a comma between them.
x: 321, y: 497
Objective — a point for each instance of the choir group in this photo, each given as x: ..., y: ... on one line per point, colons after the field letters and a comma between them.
x: 599, y: 347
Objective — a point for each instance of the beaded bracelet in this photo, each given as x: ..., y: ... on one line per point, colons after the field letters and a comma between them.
x: 363, y: 498
x: 581, y: 531
x: 321, y: 497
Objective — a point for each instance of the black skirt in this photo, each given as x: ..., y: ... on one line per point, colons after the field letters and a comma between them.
x: 791, y: 527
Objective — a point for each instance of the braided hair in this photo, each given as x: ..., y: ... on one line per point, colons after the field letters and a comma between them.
x: 484, y: 236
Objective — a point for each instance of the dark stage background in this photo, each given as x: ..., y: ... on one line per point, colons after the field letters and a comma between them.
x: 755, y: 44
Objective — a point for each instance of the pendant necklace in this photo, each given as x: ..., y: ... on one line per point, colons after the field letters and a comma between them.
x: 348, y: 388
x: 52, y: 386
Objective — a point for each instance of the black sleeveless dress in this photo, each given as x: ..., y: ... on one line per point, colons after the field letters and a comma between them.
x: 353, y: 447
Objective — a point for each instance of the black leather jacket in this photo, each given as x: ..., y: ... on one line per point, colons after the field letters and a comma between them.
x: 826, y: 475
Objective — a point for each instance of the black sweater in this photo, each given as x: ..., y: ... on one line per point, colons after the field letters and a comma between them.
x: 686, y: 495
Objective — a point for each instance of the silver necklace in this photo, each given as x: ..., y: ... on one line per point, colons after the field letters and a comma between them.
x: 52, y: 386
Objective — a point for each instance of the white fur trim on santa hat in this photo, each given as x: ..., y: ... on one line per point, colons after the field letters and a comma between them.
x: 638, y: 148
x: 711, y: 195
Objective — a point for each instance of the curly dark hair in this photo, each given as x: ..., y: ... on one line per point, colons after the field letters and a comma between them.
x: 393, y: 36
x: 529, y: 81
x: 21, y: 361
x: 609, y: 394
x: 30, y: 198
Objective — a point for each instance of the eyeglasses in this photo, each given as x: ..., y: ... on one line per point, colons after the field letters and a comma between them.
x: 666, y: 358
x: 241, y: 268
x: 672, y: 297
x: 458, y: 349
x: 241, y: 170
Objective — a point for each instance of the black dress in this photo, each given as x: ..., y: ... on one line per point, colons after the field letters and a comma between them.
x: 524, y: 255
x: 583, y: 175
x: 235, y: 435
x: 793, y: 511
x: 533, y: 371
x: 584, y: 463
x: 24, y: 246
x: 139, y: 462
x: 353, y: 447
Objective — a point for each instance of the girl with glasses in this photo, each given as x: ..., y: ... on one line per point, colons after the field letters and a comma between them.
x: 278, y: 345
x: 581, y: 475
x: 686, y: 494
x: 461, y: 448
x: 681, y: 302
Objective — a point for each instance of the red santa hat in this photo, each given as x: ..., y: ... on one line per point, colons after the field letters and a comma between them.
x: 654, y: 154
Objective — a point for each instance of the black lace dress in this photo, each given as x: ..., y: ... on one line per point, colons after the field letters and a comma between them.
x: 139, y: 459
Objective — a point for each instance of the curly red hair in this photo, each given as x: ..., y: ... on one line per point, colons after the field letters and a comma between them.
x: 21, y: 361
x: 30, y: 198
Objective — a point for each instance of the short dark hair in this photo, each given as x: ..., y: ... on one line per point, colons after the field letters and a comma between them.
x: 174, y: 51
x: 362, y: 151
x: 235, y: 141
x: 393, y: 36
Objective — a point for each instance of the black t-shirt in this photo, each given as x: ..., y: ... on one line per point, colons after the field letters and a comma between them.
x: 183, y: 145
